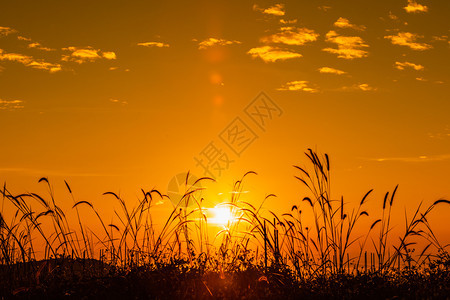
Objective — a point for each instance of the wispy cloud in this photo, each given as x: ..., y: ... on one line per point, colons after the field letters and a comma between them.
x: 414, y: 159
x: 272, y: 54
x: 324, y: 8
x: 11, y: 104
x: 23, y: 59
x: 441, y: 135
x: 154, y: 44
x: 392, y: 16
x: 113, y: 100
x: 349, y: 47
x: 38, y: 46
x: 23, y: 38
x: 42, y: 65
x: 298, y: 85
x: 328, y: 70
x: 288, y: 22
x: 29, y: 61
x: 88, y: 54
x: 408, y: 39
x: 414, y: 7
x: 6, y: 31
x: 359, y: 87
x: 276, y: 10
x: 210, y: 42
x: 292, y: 36
x: 345, y: 23
x: 404, y: 65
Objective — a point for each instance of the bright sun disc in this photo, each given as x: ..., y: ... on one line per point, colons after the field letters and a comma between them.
x: 221, y: 216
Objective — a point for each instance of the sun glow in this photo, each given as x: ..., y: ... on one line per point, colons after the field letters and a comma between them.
x: 221, y: 215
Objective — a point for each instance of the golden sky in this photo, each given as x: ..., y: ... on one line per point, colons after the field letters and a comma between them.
x: 118, y: 96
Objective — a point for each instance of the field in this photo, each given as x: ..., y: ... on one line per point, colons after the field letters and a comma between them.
x: 258, y: 254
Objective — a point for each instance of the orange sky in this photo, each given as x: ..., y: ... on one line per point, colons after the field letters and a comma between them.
x: 115, y: 96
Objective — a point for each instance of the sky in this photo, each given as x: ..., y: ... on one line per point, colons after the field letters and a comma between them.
x: 119, y: 96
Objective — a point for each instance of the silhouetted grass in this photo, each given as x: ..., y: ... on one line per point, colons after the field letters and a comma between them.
x: 259, y: 254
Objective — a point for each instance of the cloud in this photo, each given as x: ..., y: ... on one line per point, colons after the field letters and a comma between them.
x: 88, y: 54
x: 272, y: 54
x: 287, y: 22
x: 414, y: 7
x: 299, y: 85
x: 408, y: 39
x: 403, y: 65
x: 11, y: 104
x: 42, y: 65
x: 276, y: 10
x: 292, y: 36
x: 345, y: 23
x: 324, y: 8
x: 109, y: 55
x: 215, y: 42
x: 154, y: 44
x: 349, y: 47
x: 359, y: 87
x: 392, y: 16
x: 118, y: 101
x: 29, y: 61
x: 23, y: 59
x: 6, y: 31
x: 39, y: 47
x: 421, y: 158
x: 328, y: 70
x: 440, y: 135
x: 22, y: 38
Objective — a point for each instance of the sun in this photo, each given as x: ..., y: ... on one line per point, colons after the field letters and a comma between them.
x: 221, y: 215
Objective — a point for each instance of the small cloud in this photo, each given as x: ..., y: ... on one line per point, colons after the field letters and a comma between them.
x: 113, y: 68
x: 276, y: 10
x: 421, y: 79
x: 403, y: 65
x: 345, y: 23
x: 11, y: 104
x: 288, y: 22
x: 328, y: 70
x: 39, y: 47
x: 29, y: 61
x: 154, y: 44
x: 442, y: 38
x: 414, y: 7
x: 113, y: 100
x: 88, y: 54
x: 272, y: 54
x: 109, y: 55
x: 421, y: 158
x: 298, y: 85
x: 349, y: 47
x: 392, y: 16
x: 22, y: 38
x: 215, y: 42
x: 292, y: 36
x: 324, y: 8
x: 440, y: 135
x: 408, y: 39
x: 359, y: 87
x: 4, y: 31
x: 42, y: 65
x: 365, y: 87
x: 23, y: 59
